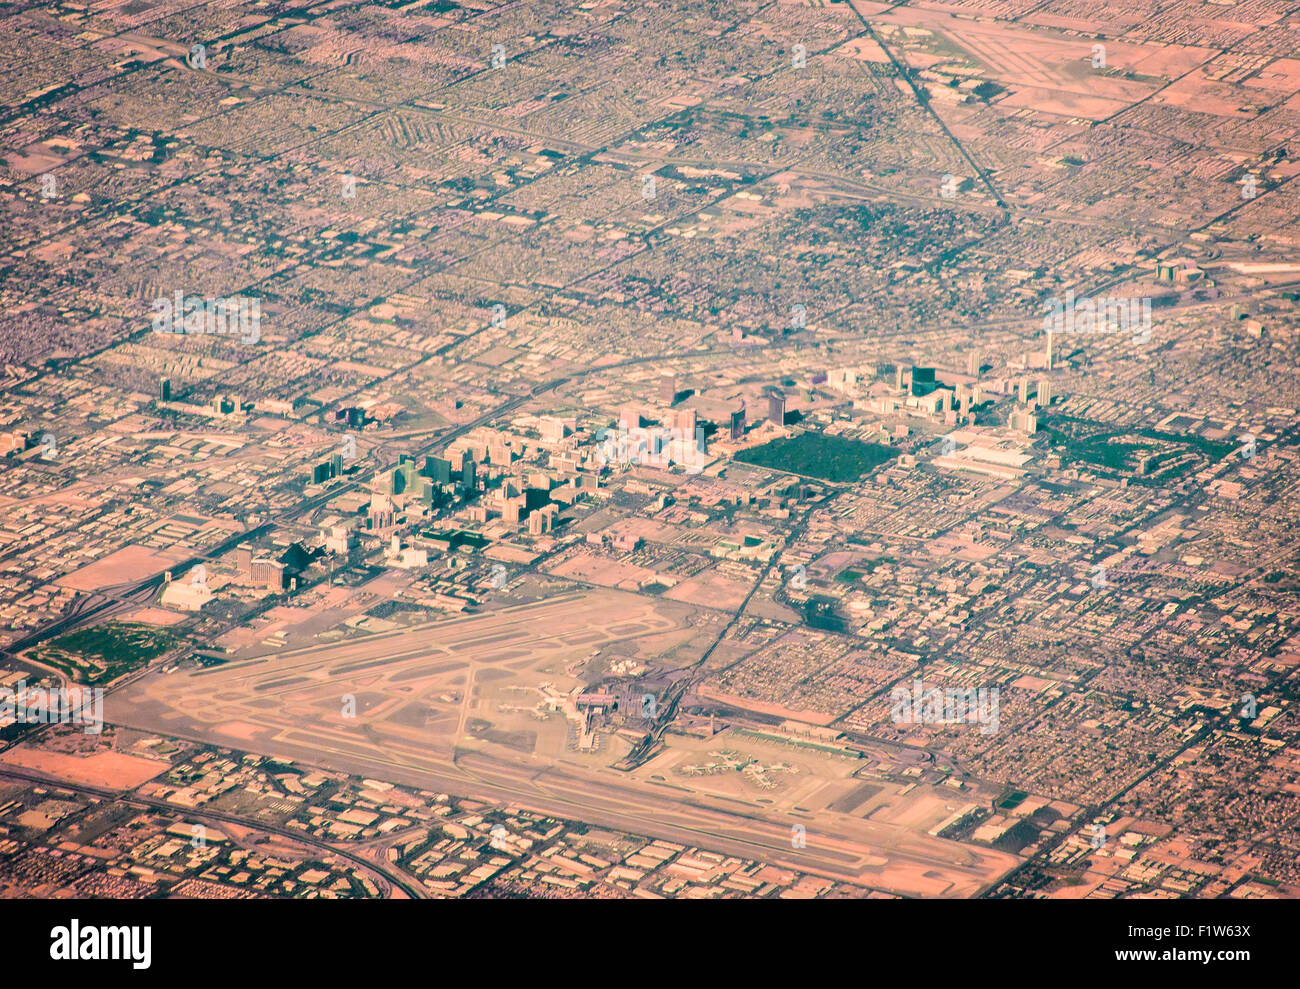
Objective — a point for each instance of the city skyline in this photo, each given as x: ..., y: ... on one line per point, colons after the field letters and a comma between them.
x: 839, y: 450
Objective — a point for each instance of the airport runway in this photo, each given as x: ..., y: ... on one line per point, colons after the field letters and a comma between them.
x: 287, y: 705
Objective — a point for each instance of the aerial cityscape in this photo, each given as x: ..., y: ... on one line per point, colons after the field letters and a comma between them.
x: 479, y: 449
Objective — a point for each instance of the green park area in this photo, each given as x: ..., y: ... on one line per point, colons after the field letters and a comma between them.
x: 827, y: 458
x: 1145, y: 453
x: 102, y: 653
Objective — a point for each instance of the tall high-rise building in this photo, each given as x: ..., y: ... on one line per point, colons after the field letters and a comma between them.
x: 338, y: 540
x: 973, y: 364
x: 1023, y: 420
x: 1047, y: 355
x: 542, y: 520
x: 551, y: 428
x: 1024, y: 390
x: 512, y: 509
x: 1044, y: 392
x: 380, y: 516
x: 437, y: 470
x: 629, y: 417
x: 667, y: 389
x: 268, y: 573
x: 843, y: 379
x: 468, y: 473
x: 776, y: 407
x: 165, y: 390
x: 682, y: 421
x: 402, y: 478
x: 427, y: 492
x: 923, y: 381
x: 738, y: 423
